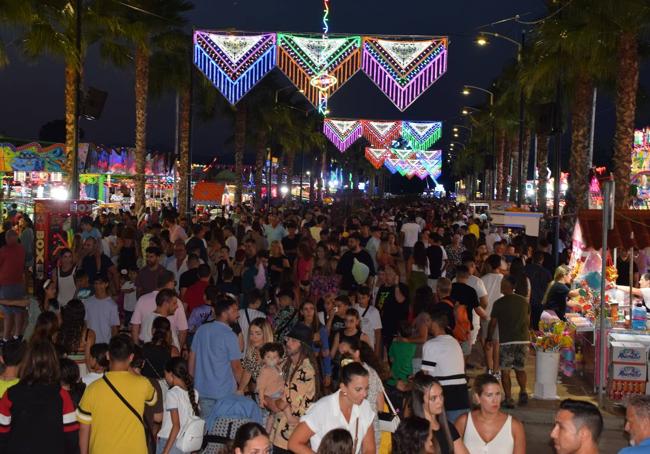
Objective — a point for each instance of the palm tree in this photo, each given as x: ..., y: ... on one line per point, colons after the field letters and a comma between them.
x: 145, y: 27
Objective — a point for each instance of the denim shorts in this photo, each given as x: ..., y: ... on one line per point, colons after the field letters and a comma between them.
x: 12, y: 292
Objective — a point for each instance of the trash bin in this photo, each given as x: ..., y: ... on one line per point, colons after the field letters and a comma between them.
x: 546, y: 369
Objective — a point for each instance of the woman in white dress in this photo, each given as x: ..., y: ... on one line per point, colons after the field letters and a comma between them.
x: 487, y: 430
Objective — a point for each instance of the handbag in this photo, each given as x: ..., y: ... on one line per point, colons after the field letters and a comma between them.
x: 148, y: 436
x: 388, y: 420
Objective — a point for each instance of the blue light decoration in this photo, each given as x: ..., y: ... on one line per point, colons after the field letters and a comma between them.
x: 404, y: 69
x: 234, y: 63
x: 421, y: 135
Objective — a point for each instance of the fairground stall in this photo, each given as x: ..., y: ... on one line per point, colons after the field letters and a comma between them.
x: 31, y: 171
x: 627, y: 337
x: 107, y: 175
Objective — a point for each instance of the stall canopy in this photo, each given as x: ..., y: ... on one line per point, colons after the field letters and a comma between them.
x: 208, y: 193
x: 631, y: 229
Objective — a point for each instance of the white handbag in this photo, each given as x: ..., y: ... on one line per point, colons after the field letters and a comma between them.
x: 388, y: 420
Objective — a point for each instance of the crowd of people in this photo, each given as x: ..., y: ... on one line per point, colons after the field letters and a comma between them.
x: 343, y: 331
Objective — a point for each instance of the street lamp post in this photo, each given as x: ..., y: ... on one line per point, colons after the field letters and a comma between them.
x: 483, y: 41
x: 467, y: 90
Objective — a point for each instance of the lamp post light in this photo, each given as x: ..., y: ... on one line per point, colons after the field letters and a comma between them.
x: 482, y: 40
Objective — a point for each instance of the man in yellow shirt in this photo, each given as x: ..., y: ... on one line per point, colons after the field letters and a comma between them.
x: 108, y: 426
x: 473, y: 228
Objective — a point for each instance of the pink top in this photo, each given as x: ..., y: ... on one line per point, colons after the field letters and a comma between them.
x: 303, y: 268
x: 147, y: 304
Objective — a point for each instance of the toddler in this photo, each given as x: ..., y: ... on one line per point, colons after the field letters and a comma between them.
x: 270, y: 382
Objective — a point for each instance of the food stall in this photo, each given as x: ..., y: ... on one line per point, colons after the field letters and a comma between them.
x: 627, y: 337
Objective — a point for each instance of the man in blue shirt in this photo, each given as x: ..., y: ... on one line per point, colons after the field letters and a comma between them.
x: 578, y: 425
x: 215, y: 357
x: 274, y: 230
x: 637, y: 424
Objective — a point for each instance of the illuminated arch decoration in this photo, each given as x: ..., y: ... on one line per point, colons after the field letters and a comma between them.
x: 234, y: 63
x: 342, y: 133
x: 318, y: 66
x: 404, y: 69
x: 403, y: 154
x: 381, y: 133
x: 421, y: 135
x: 377, y: 156
x: 391, y: 164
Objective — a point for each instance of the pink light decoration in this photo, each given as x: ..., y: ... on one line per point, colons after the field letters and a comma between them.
x: 381, y: 134
x: 342, y: 133
x: 404, y: 69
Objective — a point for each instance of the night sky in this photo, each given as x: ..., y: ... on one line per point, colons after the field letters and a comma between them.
x: 32, y: 92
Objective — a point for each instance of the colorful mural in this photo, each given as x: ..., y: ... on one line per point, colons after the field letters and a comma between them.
x: 31, y: 158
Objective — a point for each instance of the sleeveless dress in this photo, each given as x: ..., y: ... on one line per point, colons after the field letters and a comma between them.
x: 79, y: 356
x: 503, y: 443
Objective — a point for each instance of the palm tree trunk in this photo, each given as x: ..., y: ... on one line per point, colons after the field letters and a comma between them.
x: 580, y: 135
x: 184, y: 150
x: 627, y: 84
x: 324, y: 178
x: 260, y: 156
x: 524, y: 163
x: 542, y: 169
x: 70, y: 100
x: 501, y: 166
x: 514, y: 160
x: 141, y: 91
x: 240, y: 147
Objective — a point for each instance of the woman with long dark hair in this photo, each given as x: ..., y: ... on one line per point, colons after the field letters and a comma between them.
x: 428, y: 402
x: 347, y: 408
x: 39, y: 415
x: 160, y: 350
x: 307, y: 315
x: 74, y: 338
x: 181, y: 404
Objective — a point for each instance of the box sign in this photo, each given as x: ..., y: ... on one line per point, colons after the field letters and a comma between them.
x: 53, y: 230
x: 629, y: 372
x: 629, y: 352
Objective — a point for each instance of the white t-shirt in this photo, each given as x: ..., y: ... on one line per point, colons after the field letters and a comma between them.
x: 147, y: 325
x: 130, y: 299
x: 369, y: 322
x: 176, y: 398
x: 492, y: 284
x: 147, y: 304
x: 443, y: 357
x: 411, y: 230
x: 231, y: 242
x: 243, y: 321
x: 326, y: 415
x: 171, y: 265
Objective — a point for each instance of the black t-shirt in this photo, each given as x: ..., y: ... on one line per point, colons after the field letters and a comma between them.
x: 338, y: 325
x: 539, y: 278
x: 466, y: 295
x: 221, y: 267
x: 275, y: 275
x: 344, y: 267
x: 434, y: 253
x: 364, y: 241
x: 290, y: 246
x: 556, y: 300
x: 442, y: 439
x: 89, y: 265
x: 188, y: 278
x: 623, y: 268
x: 392, y: 312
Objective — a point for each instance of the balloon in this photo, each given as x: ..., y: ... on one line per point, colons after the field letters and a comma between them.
x: 360, y: 272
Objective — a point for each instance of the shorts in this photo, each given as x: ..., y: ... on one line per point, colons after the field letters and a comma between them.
x: 513, y: 356
x: 484, y: 331
x: 466, y: 347
x: 12, y: 292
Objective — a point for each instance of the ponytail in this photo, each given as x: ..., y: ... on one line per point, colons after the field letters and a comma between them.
x: 179, y: 368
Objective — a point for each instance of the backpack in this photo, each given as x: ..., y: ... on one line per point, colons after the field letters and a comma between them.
x: 190, y: 438
x: 463, y: 327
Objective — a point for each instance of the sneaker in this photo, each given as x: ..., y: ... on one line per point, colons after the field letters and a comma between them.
x: 497, y: 375
x: 523, y: 398
x: 508, y: 403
